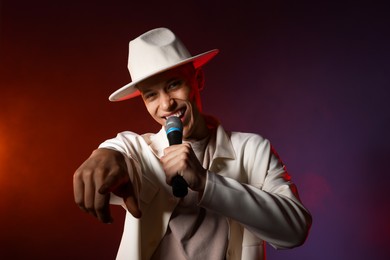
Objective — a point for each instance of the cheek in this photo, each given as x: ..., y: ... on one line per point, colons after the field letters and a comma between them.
x: 151, y: 109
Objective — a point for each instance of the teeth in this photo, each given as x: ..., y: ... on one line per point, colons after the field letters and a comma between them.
x: 177, y: 114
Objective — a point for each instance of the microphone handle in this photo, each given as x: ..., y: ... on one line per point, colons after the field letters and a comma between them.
x: 179, y: 185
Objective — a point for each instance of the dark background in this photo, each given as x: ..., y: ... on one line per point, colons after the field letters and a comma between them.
x: 311, y: 76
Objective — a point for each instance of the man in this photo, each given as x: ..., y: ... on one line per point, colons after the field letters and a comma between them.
x: 240, y: 194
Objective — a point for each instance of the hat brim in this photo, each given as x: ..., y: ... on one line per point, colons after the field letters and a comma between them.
x: 129, y: 90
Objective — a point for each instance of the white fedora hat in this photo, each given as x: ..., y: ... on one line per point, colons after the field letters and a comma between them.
x: 153, y: 52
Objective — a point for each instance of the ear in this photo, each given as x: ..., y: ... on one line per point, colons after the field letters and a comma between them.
x: 199, y: 77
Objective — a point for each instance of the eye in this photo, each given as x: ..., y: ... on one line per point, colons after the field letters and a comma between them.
x: 174, y: 84
x: 149, y: 95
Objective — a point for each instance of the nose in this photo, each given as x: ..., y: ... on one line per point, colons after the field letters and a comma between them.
x: 167, y: 102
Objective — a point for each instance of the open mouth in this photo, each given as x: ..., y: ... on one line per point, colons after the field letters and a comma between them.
x: 178, y: 113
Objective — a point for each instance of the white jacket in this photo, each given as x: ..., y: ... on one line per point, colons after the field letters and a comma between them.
x: 246, y: 182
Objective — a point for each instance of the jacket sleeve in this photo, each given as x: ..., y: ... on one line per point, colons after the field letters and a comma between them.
x: 127, y: 143
x: 265, y: 201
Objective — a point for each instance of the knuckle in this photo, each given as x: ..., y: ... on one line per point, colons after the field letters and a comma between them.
x: 77, y: 175
x: 87, y: 173
x: 83, y: 174
x: 116, y: 169
x: 182, y: 165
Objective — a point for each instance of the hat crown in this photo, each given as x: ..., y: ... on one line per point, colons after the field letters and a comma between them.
x: 154, y: 51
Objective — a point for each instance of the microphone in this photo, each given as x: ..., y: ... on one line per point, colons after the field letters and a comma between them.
x: 174, y: 130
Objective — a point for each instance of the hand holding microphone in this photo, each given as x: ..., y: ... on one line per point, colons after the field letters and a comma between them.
x: 174, y: 130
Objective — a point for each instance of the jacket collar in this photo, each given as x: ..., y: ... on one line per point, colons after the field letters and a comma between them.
x: 222, y: 143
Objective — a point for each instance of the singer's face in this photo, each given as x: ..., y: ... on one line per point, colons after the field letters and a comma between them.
x: 175, y: 93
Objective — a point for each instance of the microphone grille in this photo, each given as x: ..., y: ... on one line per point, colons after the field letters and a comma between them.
x: 173, y: 124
